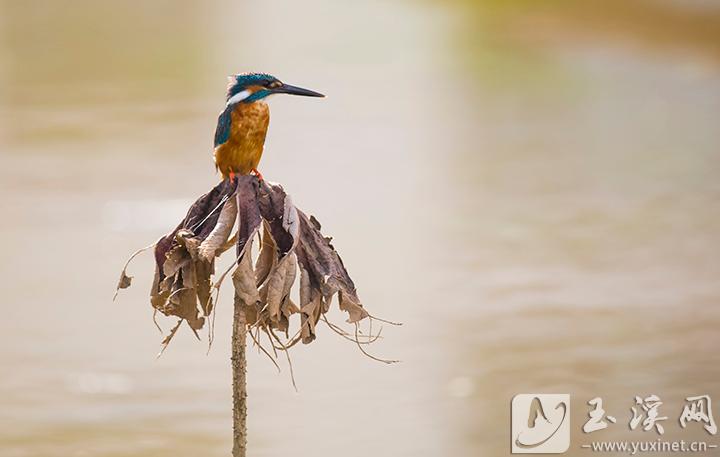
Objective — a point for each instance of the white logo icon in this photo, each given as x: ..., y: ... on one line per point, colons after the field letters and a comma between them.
x: 540, y: 423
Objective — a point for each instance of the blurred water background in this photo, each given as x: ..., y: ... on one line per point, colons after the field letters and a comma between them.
x: 530, y: 186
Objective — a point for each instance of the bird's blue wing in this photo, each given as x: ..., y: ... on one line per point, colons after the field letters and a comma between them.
x: 222, y: 132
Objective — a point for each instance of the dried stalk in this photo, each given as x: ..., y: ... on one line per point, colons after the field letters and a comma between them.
x: 239, y: 371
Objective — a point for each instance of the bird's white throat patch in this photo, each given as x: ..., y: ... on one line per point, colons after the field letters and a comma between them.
x: 240, y: 96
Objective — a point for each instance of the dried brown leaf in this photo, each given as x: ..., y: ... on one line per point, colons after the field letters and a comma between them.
x: 183, y: 303
x: 220, y: 234
x: 310, y: 307
x: 324, y: 267
x: 244, y: 281
x: 248, y: 213
x: 177, y: 258
x: 125, y: 281
x: 267, y: 258
x: 203, y: 285
x: 276, y: 290
x: 353, y: 308
x: 279, y: 212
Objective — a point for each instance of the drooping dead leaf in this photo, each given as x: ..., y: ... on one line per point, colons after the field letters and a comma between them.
x: 248, y: 212
x: 291, y: 245
x: 245, y: 286
x: 268, y: 257
x: 220, y: 234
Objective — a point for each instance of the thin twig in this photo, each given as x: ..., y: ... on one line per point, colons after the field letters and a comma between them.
x: 335, y: 328
x: 366, y: 353
x: 287, y: 354
x: 220, y: 204
x: 383, y: 320
x: 175, y: 292
x: 257, y: 343
x: 155, y: 320
x: 216, y: 286
x: 124, y: 270
x: 272, y: 345
x: 194, y: 331
x: 166, y: 341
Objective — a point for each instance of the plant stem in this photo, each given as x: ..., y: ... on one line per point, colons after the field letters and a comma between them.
x: 239, y: 370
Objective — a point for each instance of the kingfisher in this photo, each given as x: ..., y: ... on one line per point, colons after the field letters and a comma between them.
x: 243, y: 124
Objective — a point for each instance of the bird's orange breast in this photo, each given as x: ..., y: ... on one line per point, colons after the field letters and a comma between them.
x: 244, y: 147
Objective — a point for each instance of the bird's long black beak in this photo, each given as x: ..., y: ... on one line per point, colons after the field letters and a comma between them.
x: 294, y: 90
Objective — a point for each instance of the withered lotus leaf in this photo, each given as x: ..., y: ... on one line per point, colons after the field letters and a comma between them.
x: 291, y: 246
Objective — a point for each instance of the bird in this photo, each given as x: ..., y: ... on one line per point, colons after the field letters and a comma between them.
x: 242, y: 125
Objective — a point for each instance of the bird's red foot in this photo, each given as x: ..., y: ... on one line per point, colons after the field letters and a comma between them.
x: 258, y: 174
